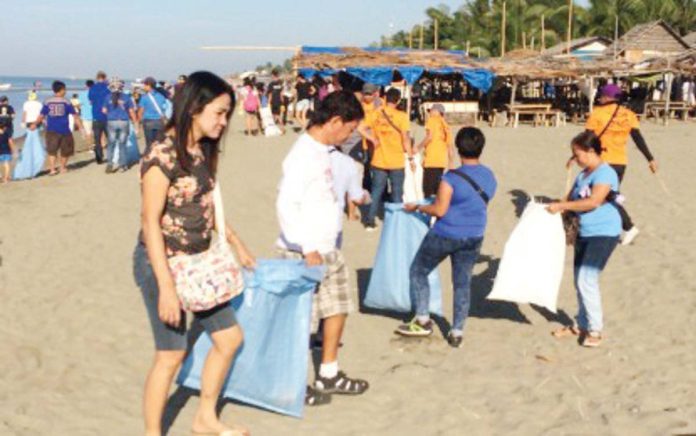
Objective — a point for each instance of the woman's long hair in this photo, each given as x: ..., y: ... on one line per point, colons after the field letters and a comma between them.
x: 201, y: 88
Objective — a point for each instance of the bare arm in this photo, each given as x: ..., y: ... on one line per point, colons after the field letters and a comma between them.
x: 154, y: 192
x: 245, y: 257
x: 366, y: 133
x: 441, y: 205
x: 425, y: 142
x: 598, y: 196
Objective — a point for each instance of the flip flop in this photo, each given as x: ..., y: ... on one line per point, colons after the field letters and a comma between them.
x: 566, y: 332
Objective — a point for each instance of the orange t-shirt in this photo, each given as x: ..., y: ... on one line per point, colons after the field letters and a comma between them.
x: 616, y: 136
x: 389, y: 154
x: 369, y: 108
x: 440, y: 137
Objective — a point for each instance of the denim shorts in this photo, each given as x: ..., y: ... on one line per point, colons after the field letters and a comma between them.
x: 167, y: 337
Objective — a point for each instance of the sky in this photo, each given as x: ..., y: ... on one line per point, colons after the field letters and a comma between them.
x: 162, y: 38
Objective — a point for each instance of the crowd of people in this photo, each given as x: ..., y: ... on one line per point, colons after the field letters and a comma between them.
x: 355, y: 147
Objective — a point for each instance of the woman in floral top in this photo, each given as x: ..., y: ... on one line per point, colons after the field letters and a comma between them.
x: 177, y: 176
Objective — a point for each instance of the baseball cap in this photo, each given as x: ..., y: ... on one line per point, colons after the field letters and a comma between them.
x: 611, y: 90
x: 370, y: 88
x: 438, y: 107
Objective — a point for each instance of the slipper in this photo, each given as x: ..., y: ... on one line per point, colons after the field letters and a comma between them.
x: 592, y: 340
x: 566, y: 332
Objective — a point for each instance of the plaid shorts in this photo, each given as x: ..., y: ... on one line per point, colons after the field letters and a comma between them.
x: 333, y: 296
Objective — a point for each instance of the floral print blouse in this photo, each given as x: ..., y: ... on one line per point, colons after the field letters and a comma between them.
x: 188, y: 218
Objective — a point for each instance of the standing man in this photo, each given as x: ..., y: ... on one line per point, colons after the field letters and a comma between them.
x: 97, y: 95
x: 303, y: 89
x: 309, y: 220
x: 614, y: 123
x: 59, y: 139
x: 151, y: 111
x: 437, y: 149
x: 7, y: 115
x: 31, y: 111
x: 275, y: 99
x: 388, y: 129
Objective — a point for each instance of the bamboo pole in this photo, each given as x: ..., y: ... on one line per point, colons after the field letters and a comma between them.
x: 420, y: 45
x: 502, y: 32
x: 543, y: 33
x: 570, y: 23
x: 436, y: 36
x: 524, y: 40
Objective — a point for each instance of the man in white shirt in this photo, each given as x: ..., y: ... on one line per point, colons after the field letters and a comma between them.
x: 309, y: 217
x: 31, y: 110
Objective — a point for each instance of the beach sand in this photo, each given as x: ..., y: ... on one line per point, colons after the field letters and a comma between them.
x: 76, y: 343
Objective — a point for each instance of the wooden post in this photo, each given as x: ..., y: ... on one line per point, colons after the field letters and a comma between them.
x: 668, y: 95
x: 570, y: 23
x: 543, y: 33
x: 468, y: 46
x: 592, y: 93
x: 502, y: 32
x: 436, y: 36
x: 524, y: 40
x: 514, y: 91
x: 532, y: 43
x: 420, y: 44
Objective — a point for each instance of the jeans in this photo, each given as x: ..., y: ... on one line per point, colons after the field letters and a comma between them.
x: 591, y: 256
x: 98, y: 129
x: 118, y: 132
x: 434, y: 249
x: 379, y: 185
x: 152, y: 129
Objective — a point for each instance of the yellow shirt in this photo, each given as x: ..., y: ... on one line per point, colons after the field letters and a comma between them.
x: 615, y: 138
x: 369, y: 108
x: 389, y: 154
x: 440, y: 137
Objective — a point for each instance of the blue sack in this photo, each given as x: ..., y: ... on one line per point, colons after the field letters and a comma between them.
x: 389, y: 287
x: 31, y: 160
x: 132, y: 151
x: 274, y: 311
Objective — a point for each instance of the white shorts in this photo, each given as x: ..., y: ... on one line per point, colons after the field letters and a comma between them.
x: 302, y: 105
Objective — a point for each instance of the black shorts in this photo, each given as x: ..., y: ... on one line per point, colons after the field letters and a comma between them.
x: 276, y: 107
x: 431, y: 181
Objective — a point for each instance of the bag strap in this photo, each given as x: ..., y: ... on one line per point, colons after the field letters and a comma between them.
x: 389, y: 120
x: 219, y: 212
x: 618, y: 106
x: 154, y: 102
x: 473, y: 184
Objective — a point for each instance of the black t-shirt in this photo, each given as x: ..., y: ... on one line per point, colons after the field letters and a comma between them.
x: 275, y: 91
x: 5, y: 142
x: 302, y: 90
x: 7, y: 113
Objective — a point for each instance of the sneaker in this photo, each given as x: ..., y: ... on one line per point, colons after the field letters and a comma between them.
x: 629, y: 235
x: 454, y: 341
x: 415, y: 329
x: 370, y: 227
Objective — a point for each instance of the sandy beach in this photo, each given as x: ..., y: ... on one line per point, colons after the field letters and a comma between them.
x: 77, y: 344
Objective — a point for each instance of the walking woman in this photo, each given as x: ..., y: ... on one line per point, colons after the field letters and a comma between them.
x: 178, y: 174
x: 118, y: 108
x: 600, y: 226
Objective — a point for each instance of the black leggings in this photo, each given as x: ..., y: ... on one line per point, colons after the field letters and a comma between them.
x: 626, y: 222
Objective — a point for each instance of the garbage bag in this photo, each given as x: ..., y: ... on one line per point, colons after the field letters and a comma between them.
x: 32, y: 158
x: 274, y: 311
x: 389, y: 286
x: 531, y: 269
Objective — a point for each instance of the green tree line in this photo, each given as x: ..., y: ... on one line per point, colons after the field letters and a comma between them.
x: 478, y: 23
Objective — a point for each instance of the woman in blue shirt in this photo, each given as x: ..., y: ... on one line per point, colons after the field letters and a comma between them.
x: 461, y: 208
x: 592, y: 199
x: 118, y: 108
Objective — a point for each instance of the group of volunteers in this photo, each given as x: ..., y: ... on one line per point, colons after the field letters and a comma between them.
x: 319, y: 176
x: 104, y: 112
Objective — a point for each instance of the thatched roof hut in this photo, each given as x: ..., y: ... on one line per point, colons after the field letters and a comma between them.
x: 648, y: 40
x: 580, y: 47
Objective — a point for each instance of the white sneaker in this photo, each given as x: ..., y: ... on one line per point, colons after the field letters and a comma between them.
x: 630, y: 235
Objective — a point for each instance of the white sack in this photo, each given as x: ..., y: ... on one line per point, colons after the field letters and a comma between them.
x: 269, y: 126
x: 413, y: 182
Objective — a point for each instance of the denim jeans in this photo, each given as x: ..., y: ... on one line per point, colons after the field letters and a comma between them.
x: 152, y: 129
x: 434, y: 249
x: 379, y: 185
x: 98, y: 129
x: 117, y: 132
x: 591, y: 256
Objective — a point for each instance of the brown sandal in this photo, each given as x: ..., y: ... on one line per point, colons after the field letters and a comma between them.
x: 566, y: 332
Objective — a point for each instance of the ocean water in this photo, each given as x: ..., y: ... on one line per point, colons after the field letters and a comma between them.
x: 22, y: 85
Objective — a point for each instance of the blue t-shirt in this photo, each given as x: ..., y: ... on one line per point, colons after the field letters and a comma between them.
x: 118, y: 112
x: 150, y: 112
x: 467, y: 214
x: 57, y: 111
x: 97, y: 95
x: 85, y: 106
x: 604, y: 220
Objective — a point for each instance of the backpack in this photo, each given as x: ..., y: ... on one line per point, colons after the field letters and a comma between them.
x: 251, y: 102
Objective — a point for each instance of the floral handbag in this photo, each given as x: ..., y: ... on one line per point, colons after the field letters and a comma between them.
x: 210, y: 278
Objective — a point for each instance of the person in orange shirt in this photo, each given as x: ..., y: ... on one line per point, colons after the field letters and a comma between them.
x: 614, y: 123
x: 388, y: 129
x: 437, y: 146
